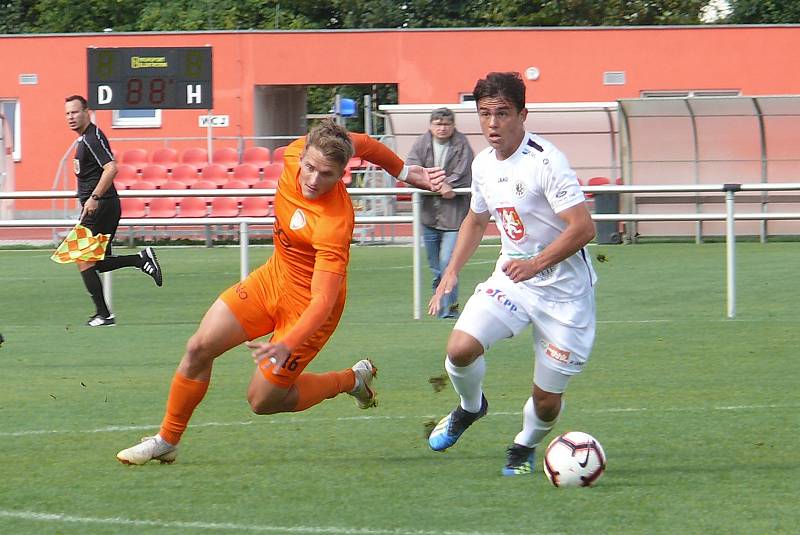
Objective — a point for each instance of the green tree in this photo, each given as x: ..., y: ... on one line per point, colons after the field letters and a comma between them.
x: 16, y: 16
x: 505, y: 13
x: 186, y: 15
x: 764, y: 12
x: 68, y: 16
x: 19, y: 16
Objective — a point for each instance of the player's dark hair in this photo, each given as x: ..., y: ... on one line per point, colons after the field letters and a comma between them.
x: 332, y: 140
x: 443, y: 113
x: 79, y: 98
x: 507, y: 85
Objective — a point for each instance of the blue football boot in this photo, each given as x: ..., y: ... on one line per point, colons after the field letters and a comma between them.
x: 452, y: 426
x: 519, y: 460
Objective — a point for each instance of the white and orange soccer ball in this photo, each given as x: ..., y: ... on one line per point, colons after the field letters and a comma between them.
x: 574, y: 459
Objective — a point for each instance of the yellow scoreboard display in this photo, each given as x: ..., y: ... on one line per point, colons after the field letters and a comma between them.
x: 150, y: 78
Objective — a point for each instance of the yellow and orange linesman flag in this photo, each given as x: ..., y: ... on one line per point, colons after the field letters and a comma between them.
x: 81, y: 244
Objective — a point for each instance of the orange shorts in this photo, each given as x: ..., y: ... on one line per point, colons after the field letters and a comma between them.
x: 262, y: 305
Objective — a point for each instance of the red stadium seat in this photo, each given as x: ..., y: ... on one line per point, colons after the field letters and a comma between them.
x: 224, y: 207
x: 135, y: 157
x: 267, y: 183
x: 246, y: 172
x: 196, y: 156
x: 126, y: 176
x: 277, y: 155
x: 203, y: 184
x: 186, y: 173
x: 155, y: 174
x: 165, y: 156
x: 597, y: 181
x: 174, y: 184
x: 126, y: 171
x: 216, y: 173
x: 256, y: 207
x: 193, y: 206
x: 236, y: 184
x: 225, y: 156
x: 273, y: 170
x: 142, y: 185
x: 258, y: 156
x: 124, y: 183
x: 133, y: 207
x: 163, y: 207
x: 154, y: 170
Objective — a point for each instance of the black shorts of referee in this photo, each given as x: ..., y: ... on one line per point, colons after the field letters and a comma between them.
x: 105, y: 219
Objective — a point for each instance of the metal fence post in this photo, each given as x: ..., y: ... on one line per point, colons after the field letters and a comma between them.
x: 730, y: 245
x: 244, y: 256
x: 416, y: 210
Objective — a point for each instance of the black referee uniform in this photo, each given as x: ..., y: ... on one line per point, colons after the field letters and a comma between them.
x: 92, y: 153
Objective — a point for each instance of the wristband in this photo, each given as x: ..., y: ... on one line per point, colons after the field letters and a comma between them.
x: 403, y: 174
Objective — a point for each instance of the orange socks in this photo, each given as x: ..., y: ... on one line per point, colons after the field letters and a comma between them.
x: 184, y: 395
x: 313, y: 388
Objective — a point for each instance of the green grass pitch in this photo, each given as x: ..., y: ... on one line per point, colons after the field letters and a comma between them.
x: 698, y: 414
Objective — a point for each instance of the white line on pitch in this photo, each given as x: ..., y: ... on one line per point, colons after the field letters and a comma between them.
x: 293, y: 421
x: 219, y: 526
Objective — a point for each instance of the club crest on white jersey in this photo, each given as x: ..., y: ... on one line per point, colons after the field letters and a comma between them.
x: 520, y: 190
x: 512, y: 222
x: 298, y: 220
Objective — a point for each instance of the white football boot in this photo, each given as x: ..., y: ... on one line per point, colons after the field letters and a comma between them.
x: 148, y: 449
x: 363, y: 393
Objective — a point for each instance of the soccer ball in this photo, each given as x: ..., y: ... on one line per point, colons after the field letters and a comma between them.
x: 574, y: 459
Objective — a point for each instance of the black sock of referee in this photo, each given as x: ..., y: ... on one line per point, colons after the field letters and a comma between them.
x: 110, y: 263
x: 92, y: 282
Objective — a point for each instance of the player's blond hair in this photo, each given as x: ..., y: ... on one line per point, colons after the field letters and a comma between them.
x: 332, y: 140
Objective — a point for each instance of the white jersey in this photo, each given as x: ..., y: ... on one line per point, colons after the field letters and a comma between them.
x: 525, y: 193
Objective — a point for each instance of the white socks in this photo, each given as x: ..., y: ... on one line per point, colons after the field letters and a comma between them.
x: 467, y: 382
x: 533, y: 428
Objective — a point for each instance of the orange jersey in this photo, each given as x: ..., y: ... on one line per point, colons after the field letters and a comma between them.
x: 316, y: 234
x: 310, y: 236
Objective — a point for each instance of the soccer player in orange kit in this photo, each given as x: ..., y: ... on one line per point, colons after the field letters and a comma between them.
x: 298, y: 295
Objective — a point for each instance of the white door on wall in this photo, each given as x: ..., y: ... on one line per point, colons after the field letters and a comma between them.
x: 9, y: 131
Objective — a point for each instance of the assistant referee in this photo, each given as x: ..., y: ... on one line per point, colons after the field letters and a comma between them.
x: 95, y: 170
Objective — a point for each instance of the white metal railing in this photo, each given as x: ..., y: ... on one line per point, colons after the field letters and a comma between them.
x: 729, y: 216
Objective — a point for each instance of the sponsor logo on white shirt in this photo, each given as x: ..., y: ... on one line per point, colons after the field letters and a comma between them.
x: 500, y: 297
x: 556, y: 353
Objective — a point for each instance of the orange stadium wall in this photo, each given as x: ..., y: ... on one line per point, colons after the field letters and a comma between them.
x: 428, y: 66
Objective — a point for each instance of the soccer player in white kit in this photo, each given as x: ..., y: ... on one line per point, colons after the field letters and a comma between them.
x: 544, y: 276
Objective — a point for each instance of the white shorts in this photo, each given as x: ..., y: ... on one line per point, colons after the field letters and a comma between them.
x: 563, y: 331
